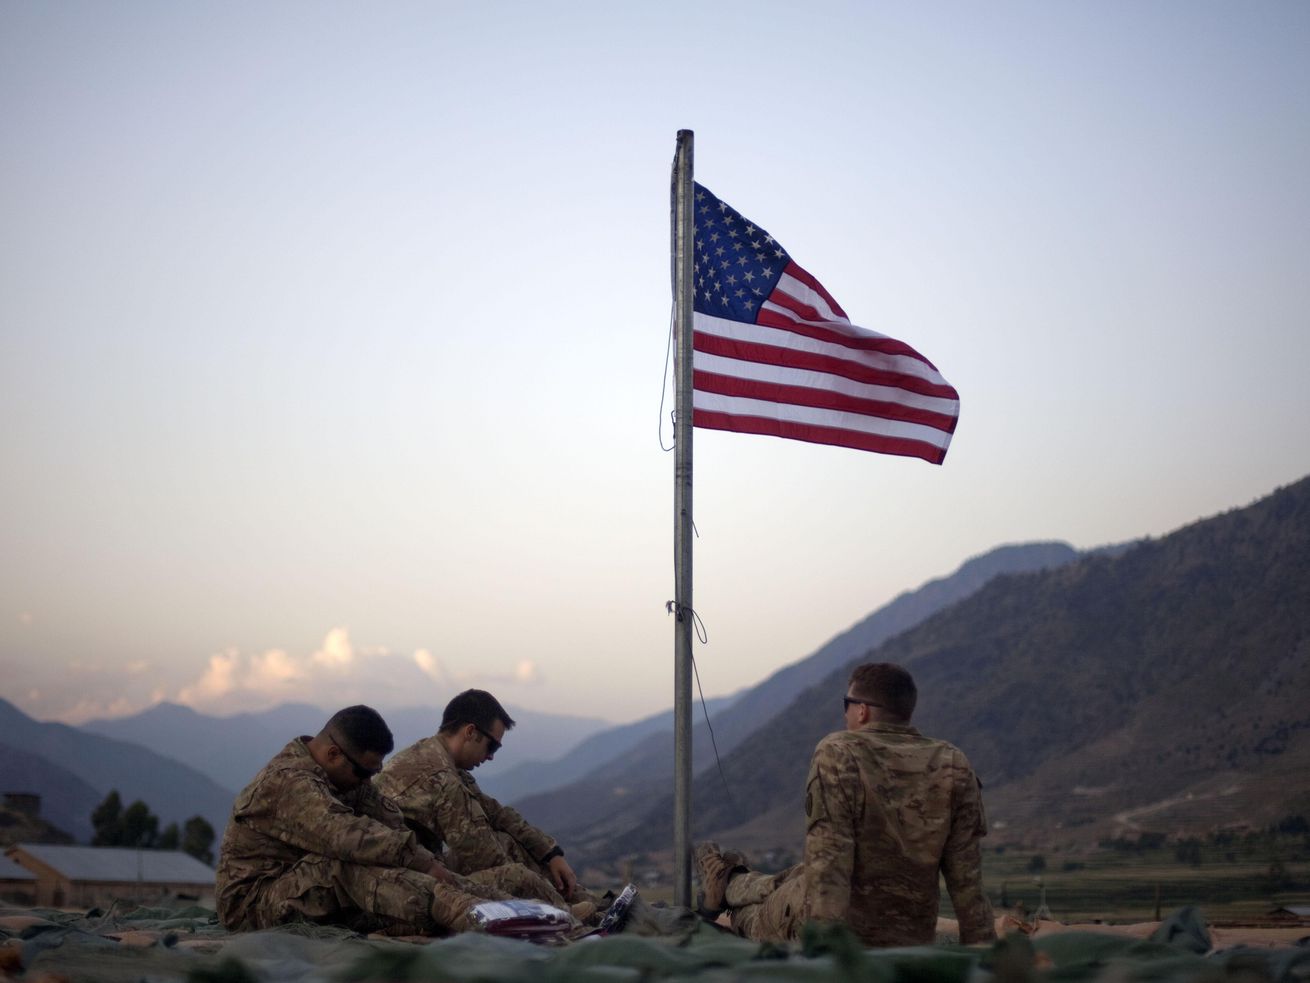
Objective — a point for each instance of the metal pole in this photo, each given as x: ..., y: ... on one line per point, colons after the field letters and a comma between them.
x: 683, y: 231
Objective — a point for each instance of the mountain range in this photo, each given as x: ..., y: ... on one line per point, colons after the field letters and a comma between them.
x: 1160, y: 687
x: 173, y: 791
x: 230, y: 750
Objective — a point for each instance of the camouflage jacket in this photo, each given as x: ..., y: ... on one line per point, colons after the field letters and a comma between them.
x: 887, y: 809
x: 443, y: 804
x: 291, y: 810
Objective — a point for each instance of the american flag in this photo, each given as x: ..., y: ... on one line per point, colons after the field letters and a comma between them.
x: 775, y: 354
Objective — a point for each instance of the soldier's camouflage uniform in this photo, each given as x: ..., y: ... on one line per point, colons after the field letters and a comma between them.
x: 297, y: 849
x: 488, y: 842
x: 886, y: 809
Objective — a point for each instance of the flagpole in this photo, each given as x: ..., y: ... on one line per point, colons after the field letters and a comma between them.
x: 683, y: 230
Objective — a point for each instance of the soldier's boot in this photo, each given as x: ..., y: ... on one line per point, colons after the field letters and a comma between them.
x: 716, y: 868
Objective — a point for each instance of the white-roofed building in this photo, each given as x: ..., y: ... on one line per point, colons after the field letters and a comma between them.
x: 83, y: 876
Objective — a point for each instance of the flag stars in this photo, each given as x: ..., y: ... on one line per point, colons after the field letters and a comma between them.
x: 732, y: 281
x: 748, y: 276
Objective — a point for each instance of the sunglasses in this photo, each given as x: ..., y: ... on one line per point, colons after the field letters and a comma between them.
x: 493, y: 745
x: 846, y: 702
x: 362, y: 773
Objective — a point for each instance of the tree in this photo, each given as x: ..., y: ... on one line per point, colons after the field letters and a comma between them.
x: 107, y: 821
x: 135, y: 826
x: 197, y: 838
x: 140, y: 826
x: 169, y: 838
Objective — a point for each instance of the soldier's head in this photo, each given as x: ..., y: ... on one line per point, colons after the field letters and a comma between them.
x: 351, y: 746
x: 473, y: 726
x: 879, y: 692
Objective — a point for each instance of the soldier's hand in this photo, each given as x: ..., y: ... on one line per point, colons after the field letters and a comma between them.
x: 441, y: 873
x: 562, y: 874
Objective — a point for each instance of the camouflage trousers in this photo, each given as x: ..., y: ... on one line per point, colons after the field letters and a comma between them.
x: 519, y: 881
x: 767, y: 907
x: 367, y: 899
x: 524, y: 877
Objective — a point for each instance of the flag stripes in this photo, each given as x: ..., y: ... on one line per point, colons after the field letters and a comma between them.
x: 775, y: 354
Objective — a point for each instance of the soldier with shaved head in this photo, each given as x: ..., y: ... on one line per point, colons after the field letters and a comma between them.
x: 887, y: 812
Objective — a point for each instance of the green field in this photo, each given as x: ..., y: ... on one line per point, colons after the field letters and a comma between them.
x: 1229, y: 882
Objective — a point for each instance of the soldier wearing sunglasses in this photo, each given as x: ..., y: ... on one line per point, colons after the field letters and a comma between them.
x: 431, y: 782
x: 887, y: 811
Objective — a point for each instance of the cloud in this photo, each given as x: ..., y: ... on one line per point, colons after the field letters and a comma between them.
x: 25, y: 617
x: 337, y: 673
x: 231, y: 672
x: 337, y: 652
x: 431, y: 666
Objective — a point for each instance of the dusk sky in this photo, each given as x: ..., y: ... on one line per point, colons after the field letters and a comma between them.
x: 332, y: 335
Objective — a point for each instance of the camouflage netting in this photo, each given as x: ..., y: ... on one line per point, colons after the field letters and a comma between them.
x: 187, y: 945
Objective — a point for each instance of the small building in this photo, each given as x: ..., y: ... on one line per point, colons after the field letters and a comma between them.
x: 17, y: 883
x: 1292, y: 913
x: 87, y: 876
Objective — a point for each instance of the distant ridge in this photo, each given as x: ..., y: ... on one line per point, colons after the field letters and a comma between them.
x: 231, y: 750
x: 525, y: 778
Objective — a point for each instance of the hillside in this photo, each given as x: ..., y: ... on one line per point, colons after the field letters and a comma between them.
x: 517, y: 778
x: 66, y: 800
x: 616, y: 794
x: 1159, y: 688
x: 173, y: 791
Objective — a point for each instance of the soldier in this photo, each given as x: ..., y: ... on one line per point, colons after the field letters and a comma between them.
x: 886, y: 809
x: 311, y: 839
x: 490, y: 843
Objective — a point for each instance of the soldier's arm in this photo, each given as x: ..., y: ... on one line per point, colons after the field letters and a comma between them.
x: 375, y: 805
x: 508, y: 820
x: 468, y: 832
x: 962, y: 860
x: 832, y: 792
x: 299, y: 809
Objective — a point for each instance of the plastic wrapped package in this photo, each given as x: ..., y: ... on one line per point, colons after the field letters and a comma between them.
x: 518, y: 919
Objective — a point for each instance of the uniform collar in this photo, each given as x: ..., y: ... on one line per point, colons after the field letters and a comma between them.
x: 879, y: 727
